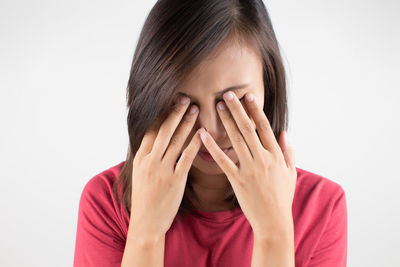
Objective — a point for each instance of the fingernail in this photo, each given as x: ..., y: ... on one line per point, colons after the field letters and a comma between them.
x: 193, y: 110
x: 203, y: 134
x: 250, y: 97
x: 184, y: 100
x: 228, y: 96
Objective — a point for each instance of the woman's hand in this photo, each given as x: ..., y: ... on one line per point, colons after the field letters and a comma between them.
x: 265, y: 179
x: 158, y: 180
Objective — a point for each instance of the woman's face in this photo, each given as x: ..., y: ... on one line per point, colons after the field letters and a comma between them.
x: 233, y: 65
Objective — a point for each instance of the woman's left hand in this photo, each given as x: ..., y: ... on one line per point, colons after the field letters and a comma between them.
x: 265, y: 179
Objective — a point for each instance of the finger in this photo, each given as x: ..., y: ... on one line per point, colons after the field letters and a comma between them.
x: 288, y: 153
x: 148, y: 140
x: 188, y: 155
x: 223, y: 161
x: 289, y: 158
x: 237, y: 140
x: 181, y: 134
x: 244, y: 124
x: 262, y: 124
x: 168, y: 127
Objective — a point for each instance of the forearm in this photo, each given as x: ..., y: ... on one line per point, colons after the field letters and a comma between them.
x: 143, y: 250
x: 277, y: 252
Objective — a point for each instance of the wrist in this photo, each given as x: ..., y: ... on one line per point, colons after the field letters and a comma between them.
x: 277, y: 233
x: 144, y: 235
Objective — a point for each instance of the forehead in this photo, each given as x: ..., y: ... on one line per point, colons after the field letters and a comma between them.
x: 229, y: 65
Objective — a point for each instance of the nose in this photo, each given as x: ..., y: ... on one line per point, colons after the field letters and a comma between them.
x: 210, y: 120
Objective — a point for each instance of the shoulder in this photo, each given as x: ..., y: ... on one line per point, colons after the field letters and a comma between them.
x: 318, y: 201
x: 98, y: 207
x: 97, y: 197
x: 102, y: 223
x: 313, y: 186
x: 320, y: 220
x: 100, y: 185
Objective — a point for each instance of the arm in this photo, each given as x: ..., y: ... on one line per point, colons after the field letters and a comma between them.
x: 143, y: 249
x: 277, y: 252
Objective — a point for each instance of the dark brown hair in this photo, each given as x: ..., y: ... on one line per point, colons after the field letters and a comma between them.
x: 176, y: 36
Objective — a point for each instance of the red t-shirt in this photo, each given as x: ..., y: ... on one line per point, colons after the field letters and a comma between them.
x: 219, y: 239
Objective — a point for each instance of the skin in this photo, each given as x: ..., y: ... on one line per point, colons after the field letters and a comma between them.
x: 264, y: 182
x: 232, y: 64
x: 261, y: 172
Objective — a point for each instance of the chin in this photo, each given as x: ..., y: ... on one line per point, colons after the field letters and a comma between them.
x: 211, y: 168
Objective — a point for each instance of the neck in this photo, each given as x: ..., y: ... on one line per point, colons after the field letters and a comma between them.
x: 211, y: 190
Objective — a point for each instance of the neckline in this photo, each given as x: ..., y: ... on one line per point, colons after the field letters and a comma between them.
x: 217, y: 216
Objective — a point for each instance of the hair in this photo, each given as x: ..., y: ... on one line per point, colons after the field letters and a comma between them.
x: 176, y: 36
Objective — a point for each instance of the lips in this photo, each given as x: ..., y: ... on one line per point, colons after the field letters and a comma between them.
x: 207, y: 156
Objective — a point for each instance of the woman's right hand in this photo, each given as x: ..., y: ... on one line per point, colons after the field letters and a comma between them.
x: 158, y: 180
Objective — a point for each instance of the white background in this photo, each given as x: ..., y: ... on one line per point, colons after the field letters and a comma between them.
x: 64, y: 67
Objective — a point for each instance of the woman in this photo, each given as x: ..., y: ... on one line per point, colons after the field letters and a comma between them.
x: 204, y: 186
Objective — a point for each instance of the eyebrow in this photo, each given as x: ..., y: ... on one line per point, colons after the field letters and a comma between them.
x: 231, y: 88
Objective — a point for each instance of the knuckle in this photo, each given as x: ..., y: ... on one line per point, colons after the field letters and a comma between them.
x: 149, y: 160
x: 136, y: 161
x: 237, y: 138
x: 241, y: 182
x: 264, y: 126
x: 162, y: 168
x: 145, y: 158
x: 248, y: 128
x: 148, y: 172
x: 267, y: 162
x: 167, y: 181
x: 222, y: 160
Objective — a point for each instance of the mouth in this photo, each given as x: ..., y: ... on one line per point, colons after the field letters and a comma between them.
x: 207, y: 156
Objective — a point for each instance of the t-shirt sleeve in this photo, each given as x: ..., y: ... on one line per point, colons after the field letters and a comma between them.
x: 331, y: 250
x: 99, y: 239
